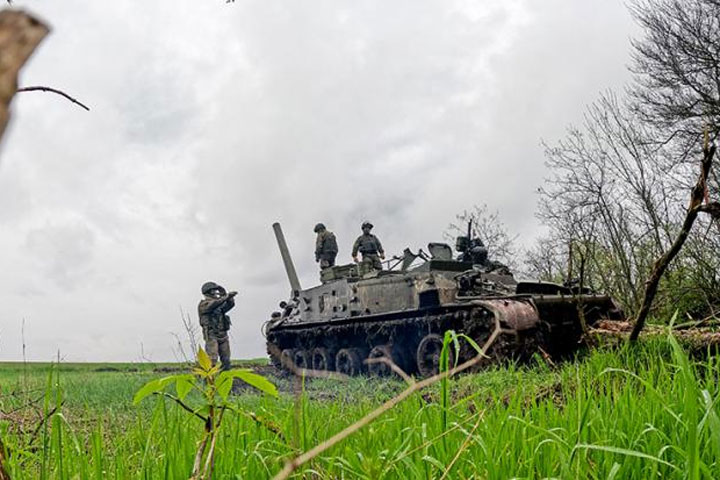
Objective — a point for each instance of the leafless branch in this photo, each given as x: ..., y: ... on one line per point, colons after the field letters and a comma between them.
x: 393, y: 366
x: 182, y: 404
x: 44, y: 420
x: 696, y: 198
x: 463, y: 447
x: 53, y: 90
x: 306, y: 372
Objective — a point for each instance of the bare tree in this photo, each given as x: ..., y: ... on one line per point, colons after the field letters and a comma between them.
x: 676, y: 66
x: 619, y: 182
x: 607, y: 200
x: 546, y: 260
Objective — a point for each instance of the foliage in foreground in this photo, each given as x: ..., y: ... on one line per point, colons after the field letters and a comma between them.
x: 639, y: 413
x: 213, y: 387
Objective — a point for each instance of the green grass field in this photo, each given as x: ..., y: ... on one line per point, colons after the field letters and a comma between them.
x: 647, y: 412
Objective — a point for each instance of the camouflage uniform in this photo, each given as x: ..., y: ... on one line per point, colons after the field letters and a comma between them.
x: 370, y: 248
x: 215, y: 323
x: 472, y: 251
x: 326, y: 248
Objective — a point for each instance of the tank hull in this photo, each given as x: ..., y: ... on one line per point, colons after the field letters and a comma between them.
x: 549, y: 324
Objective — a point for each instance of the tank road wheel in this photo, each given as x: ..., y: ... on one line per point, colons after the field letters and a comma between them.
x: 380, y: 369
x: 428, y: 354
x: 287, y: 359
x: 322, y: 360
x: 348, y: 361
x: 303, y: 359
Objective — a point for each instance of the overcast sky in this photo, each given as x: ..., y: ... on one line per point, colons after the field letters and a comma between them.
x: 210, y: 121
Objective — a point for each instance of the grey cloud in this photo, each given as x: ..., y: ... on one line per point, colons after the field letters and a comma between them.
x: 211, y: 121
x: 63, y: 251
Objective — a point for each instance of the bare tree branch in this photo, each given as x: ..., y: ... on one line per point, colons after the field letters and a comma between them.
x: 292, y: 465
x: 393, y: 366
x: 696, y: 198
x: 53, y: 90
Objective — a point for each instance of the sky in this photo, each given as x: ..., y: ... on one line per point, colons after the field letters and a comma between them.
x: 209, y: 121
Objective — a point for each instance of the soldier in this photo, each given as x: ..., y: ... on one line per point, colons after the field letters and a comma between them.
x: 326, y: 248
x: 471, y: 251
x: 215, y: 323
x: 369, y: 246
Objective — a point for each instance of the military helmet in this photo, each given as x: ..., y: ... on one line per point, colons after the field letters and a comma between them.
x: 208, y: 287
x: 319, y: 227
x: 366, y: 224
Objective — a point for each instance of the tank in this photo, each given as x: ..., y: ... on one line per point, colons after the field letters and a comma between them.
x: 357, y: 313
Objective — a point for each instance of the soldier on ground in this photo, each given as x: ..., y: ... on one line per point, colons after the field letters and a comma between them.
x: 369, y: 246
x: 215, y: 323
x: 326, y: 248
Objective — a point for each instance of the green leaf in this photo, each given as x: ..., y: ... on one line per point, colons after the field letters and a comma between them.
x: 444, y: 353
x: 147, y: 389
x: 183, y: 385
x: 712, y: 421
x: 214, y: 371
x: 204, y: 360
x: 472, y: 342
x: 626, y: 452
x: 614, y: 471
x: 255, y: 380
x: 437, y: 463
x: 224, y: 384
x: 456, y: 347
x: 153, y: 386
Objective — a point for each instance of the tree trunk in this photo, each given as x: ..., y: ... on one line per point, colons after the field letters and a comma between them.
x: 696, y: 205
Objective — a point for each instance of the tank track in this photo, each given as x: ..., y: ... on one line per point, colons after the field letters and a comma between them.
x: 412, y: 339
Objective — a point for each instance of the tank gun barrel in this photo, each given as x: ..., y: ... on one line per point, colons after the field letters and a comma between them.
x: 287, y: 259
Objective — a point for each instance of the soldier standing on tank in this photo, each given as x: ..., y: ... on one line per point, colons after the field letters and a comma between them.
x: 369, y: 246
x: 215, y: 323
x: 326, y: 248
x: 471, y: 251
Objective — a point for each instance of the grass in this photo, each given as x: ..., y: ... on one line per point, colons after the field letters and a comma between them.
x: 647, y: 412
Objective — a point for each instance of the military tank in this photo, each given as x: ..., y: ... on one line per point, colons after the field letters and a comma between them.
x: 358, y: 313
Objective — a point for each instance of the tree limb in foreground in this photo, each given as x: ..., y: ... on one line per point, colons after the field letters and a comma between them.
x: 20, y: 34
x: 295, y: 463
x: 696, y: 206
